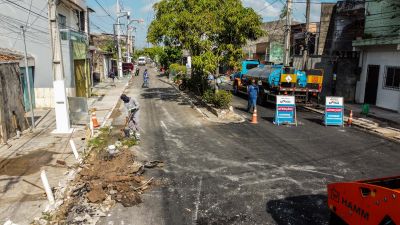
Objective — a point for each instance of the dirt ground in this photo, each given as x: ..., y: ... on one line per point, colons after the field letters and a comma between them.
x: 106, y: 178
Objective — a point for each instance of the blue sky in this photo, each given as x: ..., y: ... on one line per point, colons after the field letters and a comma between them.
x: 142, y: 9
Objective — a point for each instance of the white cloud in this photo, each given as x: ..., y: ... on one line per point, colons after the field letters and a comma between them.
x: 272, y: 11
x: 148, y: 7
x: 264, y: 8
x: 299, y: 12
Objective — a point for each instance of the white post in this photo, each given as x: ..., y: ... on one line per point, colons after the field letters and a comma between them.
x: 60, y: 96
x: 47, y: 187
x: 76, y: 154
x: 91, y: 127
x: 28, y: 79
x: 128, y: 44
x: 118, y: 39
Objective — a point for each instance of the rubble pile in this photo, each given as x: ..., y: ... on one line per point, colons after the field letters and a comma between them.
x: 110, y: 175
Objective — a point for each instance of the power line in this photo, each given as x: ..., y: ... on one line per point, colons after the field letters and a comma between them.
x: 39, y: 15
x: 98, y: 27
x: 108, y: 14
x: 8, y: 19
x: 27, y: 20
x: 266, y: 6
x: 26, y: 9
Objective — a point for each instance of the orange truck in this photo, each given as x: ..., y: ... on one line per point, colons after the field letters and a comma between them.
x: 365, y: 202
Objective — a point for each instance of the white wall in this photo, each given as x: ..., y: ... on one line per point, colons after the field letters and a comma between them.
x: 383, y: 56
x: 38, y: 43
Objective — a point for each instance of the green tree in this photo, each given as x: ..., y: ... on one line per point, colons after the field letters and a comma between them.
x: 212, y: 30
x: 163, y: 55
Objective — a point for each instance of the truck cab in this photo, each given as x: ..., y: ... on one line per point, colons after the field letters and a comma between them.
x: 247, y: 65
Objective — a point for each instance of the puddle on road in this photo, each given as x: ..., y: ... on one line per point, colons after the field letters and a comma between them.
x: 26, y: 164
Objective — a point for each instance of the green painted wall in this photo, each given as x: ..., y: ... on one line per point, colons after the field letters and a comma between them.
x: 382, y: 18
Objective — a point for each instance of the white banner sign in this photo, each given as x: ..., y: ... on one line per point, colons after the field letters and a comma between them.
x: 284, y: 99
x: 334, y: 101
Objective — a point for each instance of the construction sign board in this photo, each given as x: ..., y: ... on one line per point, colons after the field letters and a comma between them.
x: 334, y: 110
x: 285, y: 110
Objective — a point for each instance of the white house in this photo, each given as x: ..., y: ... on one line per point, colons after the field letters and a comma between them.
x: 74, y: 27
x: 379, y: 82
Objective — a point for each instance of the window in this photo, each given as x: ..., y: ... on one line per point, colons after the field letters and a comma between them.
x: 251, y: 66
x: 392, y: 78
x: 62, y: 21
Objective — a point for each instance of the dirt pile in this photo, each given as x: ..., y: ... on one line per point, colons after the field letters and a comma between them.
x: 106, y: 178
x: 104, y: 181
x: 120, y: 177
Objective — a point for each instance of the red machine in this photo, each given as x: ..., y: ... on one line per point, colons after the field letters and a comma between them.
x: 374, y: 202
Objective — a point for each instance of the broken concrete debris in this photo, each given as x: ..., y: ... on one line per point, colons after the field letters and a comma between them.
x: 109, y: 175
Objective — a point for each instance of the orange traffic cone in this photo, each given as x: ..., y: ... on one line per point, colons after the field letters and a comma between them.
x: 94, y: 120
x: 350, y: 120
x: 254, y: 118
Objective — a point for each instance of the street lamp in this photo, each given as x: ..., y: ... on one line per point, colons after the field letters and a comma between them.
x: 130, y: 37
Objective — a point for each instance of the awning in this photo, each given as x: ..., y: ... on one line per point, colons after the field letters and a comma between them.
x: 377, y: 41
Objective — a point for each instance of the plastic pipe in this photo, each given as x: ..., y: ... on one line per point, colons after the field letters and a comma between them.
x: 47, y: 187
x: 73, y: 147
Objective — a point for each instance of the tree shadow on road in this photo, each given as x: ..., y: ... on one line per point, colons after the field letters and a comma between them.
x: 164, y: 94
x: 298, y: 210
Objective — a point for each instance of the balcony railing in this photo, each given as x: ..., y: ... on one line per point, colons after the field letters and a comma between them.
x: 71, y: 35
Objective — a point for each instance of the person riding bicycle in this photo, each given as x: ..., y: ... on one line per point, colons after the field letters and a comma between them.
x: 145, y: 78
x: 132, y: 107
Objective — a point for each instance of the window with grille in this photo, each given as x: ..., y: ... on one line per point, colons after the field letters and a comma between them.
x: 392, y: 78
x: 62, y: 21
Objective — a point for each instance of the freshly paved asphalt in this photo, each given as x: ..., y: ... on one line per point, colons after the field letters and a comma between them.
x: 243, y: 173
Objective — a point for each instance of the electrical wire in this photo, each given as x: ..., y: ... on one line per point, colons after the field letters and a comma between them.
x: 266, y: 6
x: 39, y: 15
x: 27, y: 20
x: 108, y: 14
x: 98, y: 27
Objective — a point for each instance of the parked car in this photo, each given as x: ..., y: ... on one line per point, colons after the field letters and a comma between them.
x: 141, y: 61
x: 127, y: 67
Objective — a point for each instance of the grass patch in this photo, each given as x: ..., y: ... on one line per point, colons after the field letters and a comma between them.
x: 129, y: 142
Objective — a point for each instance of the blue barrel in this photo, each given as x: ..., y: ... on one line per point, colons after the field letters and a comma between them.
x: 301, y: 78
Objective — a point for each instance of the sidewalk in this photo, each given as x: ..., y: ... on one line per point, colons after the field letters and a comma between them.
x: 22, y: 197
x: 376, y: 114
x: 381, y: 122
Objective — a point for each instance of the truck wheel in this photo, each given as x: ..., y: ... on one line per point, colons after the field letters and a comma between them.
x: 182, y: 87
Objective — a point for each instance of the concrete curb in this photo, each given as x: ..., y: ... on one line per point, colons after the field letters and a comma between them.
x: 185, y: 97
x: 209, y: 108
x: 365, y: 125
x: 107, y: 118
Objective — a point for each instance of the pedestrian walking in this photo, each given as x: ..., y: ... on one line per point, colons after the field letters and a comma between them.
x: 112, y: 75
x: 145, y: 79
x: 252, y: 91
x: 132, y: 120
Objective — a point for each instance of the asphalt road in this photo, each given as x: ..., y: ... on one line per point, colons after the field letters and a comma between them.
x: 243, y: 173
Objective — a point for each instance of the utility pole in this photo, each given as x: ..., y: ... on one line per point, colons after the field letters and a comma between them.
x: 60, y: 96
x: 287, y: 32
x: 307, y: 36
x: 129, y: 44
x: 129, y: 29
x: 118, y: 39
x: 128, y: 41
x: 28, y: 80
